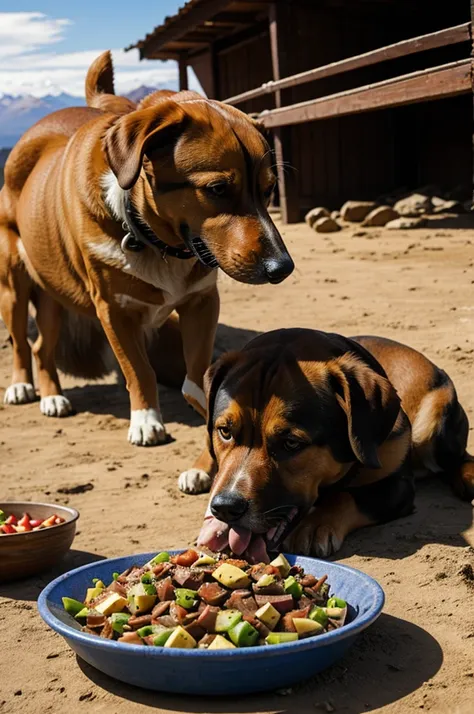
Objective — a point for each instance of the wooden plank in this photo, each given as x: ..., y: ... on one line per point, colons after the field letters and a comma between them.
x: 287, y: 188
x: 183, y: 71
x: 444, y: 81
x: 472, y: 84
x: 443, y: 38
x: 181, y: 25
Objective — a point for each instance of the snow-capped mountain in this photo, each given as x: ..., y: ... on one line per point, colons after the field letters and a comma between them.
x: 17, y: 114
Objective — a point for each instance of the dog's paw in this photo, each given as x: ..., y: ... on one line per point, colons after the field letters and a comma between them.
x: 19, y: 393
x: 55, y: 406
x: 314, y: 539
x: 194, y: 481
x: 146, y: 428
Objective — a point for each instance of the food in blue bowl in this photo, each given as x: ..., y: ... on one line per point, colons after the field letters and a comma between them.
x: 170, y: 638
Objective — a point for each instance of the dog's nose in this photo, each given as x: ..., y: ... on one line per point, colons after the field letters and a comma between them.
x: 277, y: 269
x: 228, y: 507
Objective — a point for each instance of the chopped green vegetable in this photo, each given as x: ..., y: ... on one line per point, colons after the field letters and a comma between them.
x: 119, y: 620
x: 278, y: 638
x: 3, y: 516
x: 160, y: 639
x: 160, y: 558
x: 72, y: 606
x: 319, y: 615
x: 227, y: 619
x: 243, y: 634
x: 149, y: 589
x: 337, y: 602
x: 293, y: 587
x: 146, y: 578
x: 335, y: 613
x: 115, y: 576
x: 83, y: 613
x: 185, y: 597
x: 305, y: 626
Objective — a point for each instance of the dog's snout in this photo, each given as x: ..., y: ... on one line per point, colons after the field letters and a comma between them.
x: 277, y: 269
x: 228, y: 507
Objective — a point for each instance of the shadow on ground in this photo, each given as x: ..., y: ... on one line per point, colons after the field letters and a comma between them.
x: 30, y: 588
x: 439, y: 517
x: 113, y: 398
x: 389, y: 661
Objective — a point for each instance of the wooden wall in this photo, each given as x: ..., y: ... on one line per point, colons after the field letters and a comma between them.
x: 370, y: 154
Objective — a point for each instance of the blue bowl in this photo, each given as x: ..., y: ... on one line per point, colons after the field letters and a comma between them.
x: 218, y: 672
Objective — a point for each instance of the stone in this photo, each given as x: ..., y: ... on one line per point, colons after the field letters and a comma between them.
x: 315, y: 214
x: 441, y: 205
x: 335, y: 215
x: 416, y: 204
x: 380, y: 216
x: 326, y: 225
x: 406, y: 223
x: 356, y: 211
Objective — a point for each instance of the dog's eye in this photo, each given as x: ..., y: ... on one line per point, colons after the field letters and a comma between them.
x: 217, y: 188
x: 291, y: 444
x: 225, y: 433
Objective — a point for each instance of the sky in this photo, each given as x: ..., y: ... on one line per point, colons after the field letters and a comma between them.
x: 46, y: 46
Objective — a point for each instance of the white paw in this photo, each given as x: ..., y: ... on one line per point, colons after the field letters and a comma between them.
x: 194, y: 481
x: 146, y: 428
x: 19, y: 393
x: 55, y: 406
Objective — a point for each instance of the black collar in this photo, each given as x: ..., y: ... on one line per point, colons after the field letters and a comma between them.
x: 140, y: 235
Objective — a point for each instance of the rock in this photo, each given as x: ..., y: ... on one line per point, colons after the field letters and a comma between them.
x: 380, y: 216
x: 416, y: 204
x: 326, y: 225
x: 356, y: 211
x: 441, y: 205
x: 315, y: 214
x: 335, y: 215
x: 405, y: 223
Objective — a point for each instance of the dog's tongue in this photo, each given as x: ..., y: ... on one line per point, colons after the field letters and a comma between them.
x: 214, y: 534
x: 239, y: 539
x: 257, y: 550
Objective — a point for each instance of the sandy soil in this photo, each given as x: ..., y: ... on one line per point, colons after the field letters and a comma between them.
x: 414, y: 286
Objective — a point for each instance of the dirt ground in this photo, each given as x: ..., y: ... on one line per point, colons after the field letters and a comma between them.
x: 415, y: 286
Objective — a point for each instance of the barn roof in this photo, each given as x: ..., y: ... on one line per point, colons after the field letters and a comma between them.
x: 197, y: 25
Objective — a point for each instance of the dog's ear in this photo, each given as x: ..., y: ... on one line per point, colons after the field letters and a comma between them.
x: 127, y: 141
x: 371, y: 405
x: 213, y: 379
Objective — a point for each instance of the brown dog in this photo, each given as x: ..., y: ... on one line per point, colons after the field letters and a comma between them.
x: 312, y: 435
x: 123, y: 214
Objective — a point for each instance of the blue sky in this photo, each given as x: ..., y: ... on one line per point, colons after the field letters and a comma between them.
x: 46, y: 46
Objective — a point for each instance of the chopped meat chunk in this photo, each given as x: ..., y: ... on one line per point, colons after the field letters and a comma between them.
x: 212, y: 593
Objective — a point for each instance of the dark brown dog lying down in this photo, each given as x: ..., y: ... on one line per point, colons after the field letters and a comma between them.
x: 313, y: 435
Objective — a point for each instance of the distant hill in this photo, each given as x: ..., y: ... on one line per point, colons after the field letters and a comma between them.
x: 17, y: 114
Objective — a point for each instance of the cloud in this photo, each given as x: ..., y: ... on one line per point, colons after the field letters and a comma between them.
x: 28, y: 66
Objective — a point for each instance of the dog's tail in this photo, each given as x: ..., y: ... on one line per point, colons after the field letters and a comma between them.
x: 100, y: 89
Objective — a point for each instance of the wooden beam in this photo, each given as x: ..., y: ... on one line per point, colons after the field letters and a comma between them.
x: 181, y: 25
x: 289, y: 204
x: 443, y: 38
x: 472, y: 87
x: 183, y: 71
x: 429, y: 84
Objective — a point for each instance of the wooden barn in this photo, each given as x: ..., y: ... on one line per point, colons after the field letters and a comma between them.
x: 364, y: 97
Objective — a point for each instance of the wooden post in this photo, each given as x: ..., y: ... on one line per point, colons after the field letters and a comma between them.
x: 289, y: 204
x: 183, y: 71
x: 472, y: 88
